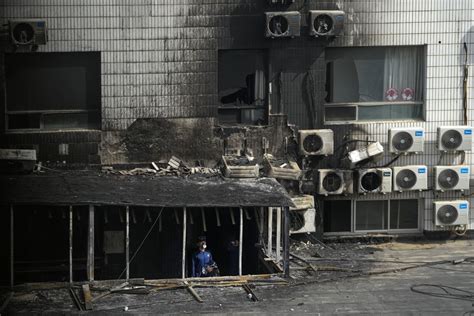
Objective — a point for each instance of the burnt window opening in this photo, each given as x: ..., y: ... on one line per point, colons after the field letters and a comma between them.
x: 242, y: 87
x: 53, y: 91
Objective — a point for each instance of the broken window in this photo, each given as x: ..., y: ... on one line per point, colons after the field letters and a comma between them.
x: 52, y: 91
x: 242, y: 87
x: 374, y: 83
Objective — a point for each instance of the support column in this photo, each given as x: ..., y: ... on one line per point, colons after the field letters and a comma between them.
x: 278, y: 235
x: 183, y: 262
x: 286, y: 241
x: 270, y: 232
x: 70, y: 243
x: 12, y: 254
x: 127, y: 243
x: 90, y: 245
x: 241, y: 235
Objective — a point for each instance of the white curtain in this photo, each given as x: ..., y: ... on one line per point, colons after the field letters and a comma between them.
x: 404, y: 70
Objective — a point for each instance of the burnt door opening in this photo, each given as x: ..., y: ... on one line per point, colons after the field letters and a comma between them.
x: 221, y: 227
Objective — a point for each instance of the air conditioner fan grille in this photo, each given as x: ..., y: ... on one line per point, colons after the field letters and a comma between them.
x: 447, y: 214
x: 451, y: 139
x: 278, y: 25
x: 323, y: 24
x: 406, y: 179
x: 448, y: 178
x: 312, y: 143
x: 370, y: 181
x: 332, y: 182
x: 402, y: 141
x: 23, y: 33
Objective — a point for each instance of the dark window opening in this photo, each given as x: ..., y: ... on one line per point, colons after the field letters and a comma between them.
x: 371, y: 215
x: 242, y: 87
x: 50, y: 91
x: 337, y: 216
x: 403, y: 214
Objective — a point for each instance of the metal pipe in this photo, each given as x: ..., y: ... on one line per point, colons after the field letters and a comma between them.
x: 127, y: 242
x: 270, y: 232
x: 218, y: 218
x: 12, y: 254
x: 70, y: 242
x: 203, y: 215
x: 183, y: 262
x: 241, y: 235
x: 286, y: 242
x: 278, y: 235
x: 90, y: 245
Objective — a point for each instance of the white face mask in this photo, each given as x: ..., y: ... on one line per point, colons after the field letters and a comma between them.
x: 204, y: 246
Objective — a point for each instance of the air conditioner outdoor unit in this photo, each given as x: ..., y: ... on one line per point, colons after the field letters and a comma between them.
x: 308, y: 221
x: 452, y: 177
x: 282, y: 24
x: 326, y: 23
x: 454, y: 138
x: 451, y: 213
x: 406, y: 140
x: 410, y: 178
x: 314, y: 142
x: 334, y: 182
x: 28, y: 32
x: 375, y: 180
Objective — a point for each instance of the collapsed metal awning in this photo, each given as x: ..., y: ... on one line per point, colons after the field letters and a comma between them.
x: 83, y: 188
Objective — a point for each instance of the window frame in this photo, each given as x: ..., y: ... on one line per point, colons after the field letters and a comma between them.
x: 419, y: 229
x: 265, y: 55
x: 42, y: 113
x: 356, y: 105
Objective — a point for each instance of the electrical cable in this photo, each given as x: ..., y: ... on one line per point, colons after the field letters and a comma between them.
x: 465, y: 82
x: 141, y: 244
x: 447, y: 291
x: 460, y: 232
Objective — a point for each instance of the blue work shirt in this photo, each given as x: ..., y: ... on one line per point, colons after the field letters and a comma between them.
x: 201, y: 260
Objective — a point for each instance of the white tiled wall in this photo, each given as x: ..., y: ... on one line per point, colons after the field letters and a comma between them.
x: 443, y: 26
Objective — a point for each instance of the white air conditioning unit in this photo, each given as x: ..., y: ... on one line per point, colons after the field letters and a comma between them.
x: 410, y: 178
x: 334, y: 182
x: 308, y: 221
x: 314, y: 142
x: 406, y: 140
x: 282, y: 24
x: 372, y: 150
x: 451, y: 213
x: 452, y: 177
x: 375, y: 180
x: 454, y: 138
x: 326, y: 23
x: 28, y: 32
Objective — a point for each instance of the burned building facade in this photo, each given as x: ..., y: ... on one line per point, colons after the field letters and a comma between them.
x: 118, y: 83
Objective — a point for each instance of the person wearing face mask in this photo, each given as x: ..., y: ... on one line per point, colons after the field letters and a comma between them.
x: 202, y: 263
